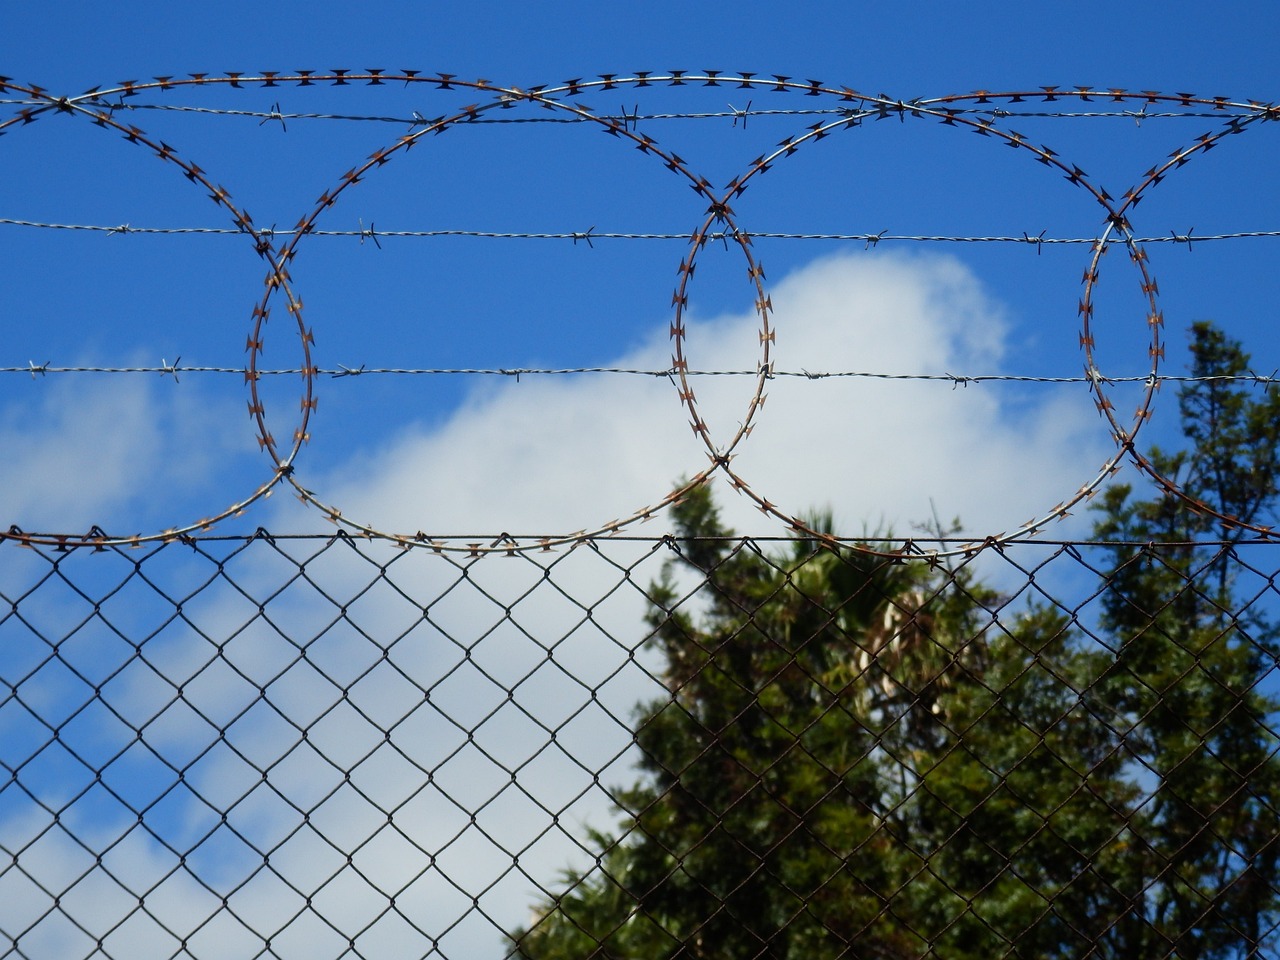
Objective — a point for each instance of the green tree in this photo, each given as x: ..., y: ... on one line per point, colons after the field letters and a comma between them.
x: 868, y: 758
x: 1188, y: 652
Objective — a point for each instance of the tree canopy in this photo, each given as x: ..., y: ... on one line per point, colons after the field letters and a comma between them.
x: 864, y: 757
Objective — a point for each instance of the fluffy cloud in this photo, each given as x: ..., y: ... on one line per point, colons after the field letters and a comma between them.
x: 122, y: 453
x: 557, y: 455
x: 50, y: 443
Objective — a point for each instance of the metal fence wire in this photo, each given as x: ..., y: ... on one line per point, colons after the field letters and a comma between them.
x: 688, y: 746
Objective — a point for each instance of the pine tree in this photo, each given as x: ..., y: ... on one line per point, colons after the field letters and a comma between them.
x: 1186, y: 665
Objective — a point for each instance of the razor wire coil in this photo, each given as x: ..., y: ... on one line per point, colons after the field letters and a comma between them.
x: 980, y: 112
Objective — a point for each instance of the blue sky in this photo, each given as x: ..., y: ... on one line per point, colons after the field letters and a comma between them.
x: 912, y: 48
x: 552, y: 455
x: 112, y: 300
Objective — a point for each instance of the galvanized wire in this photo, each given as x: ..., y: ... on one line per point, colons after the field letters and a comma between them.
x: 177, y: 369
x: 585, y: 236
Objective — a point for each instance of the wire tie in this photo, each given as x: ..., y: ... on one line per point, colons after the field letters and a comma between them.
x: 507, y: 541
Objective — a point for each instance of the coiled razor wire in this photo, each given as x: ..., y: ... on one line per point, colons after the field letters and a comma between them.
x: 980, y: 112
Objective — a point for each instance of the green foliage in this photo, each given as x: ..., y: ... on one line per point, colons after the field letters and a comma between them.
x: 1187, y: 660
x: 864, y: 758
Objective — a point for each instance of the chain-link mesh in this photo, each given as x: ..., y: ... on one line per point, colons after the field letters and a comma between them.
x: 309, y: 747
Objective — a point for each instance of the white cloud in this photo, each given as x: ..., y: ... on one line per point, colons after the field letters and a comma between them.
x: 120, y: 452
x: 51, y: 443
x: 554, y: 456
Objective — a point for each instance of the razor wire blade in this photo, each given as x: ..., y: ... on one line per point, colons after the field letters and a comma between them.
x: 971, y: 112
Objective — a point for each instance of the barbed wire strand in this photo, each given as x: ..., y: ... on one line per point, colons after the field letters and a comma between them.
x: 369, y: 233
x: 176, y: 369
x: 730, y: 114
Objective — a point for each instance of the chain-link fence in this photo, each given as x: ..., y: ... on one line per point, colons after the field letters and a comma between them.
x: 330, y: 747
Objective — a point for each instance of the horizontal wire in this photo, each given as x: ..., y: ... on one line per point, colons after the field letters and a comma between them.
x: 340, y: 371
x: 368, y: 233
x: 924, y: 543
x: 732, y: 113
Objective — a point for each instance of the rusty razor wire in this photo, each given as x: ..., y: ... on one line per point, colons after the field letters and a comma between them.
x: 985, y: 113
